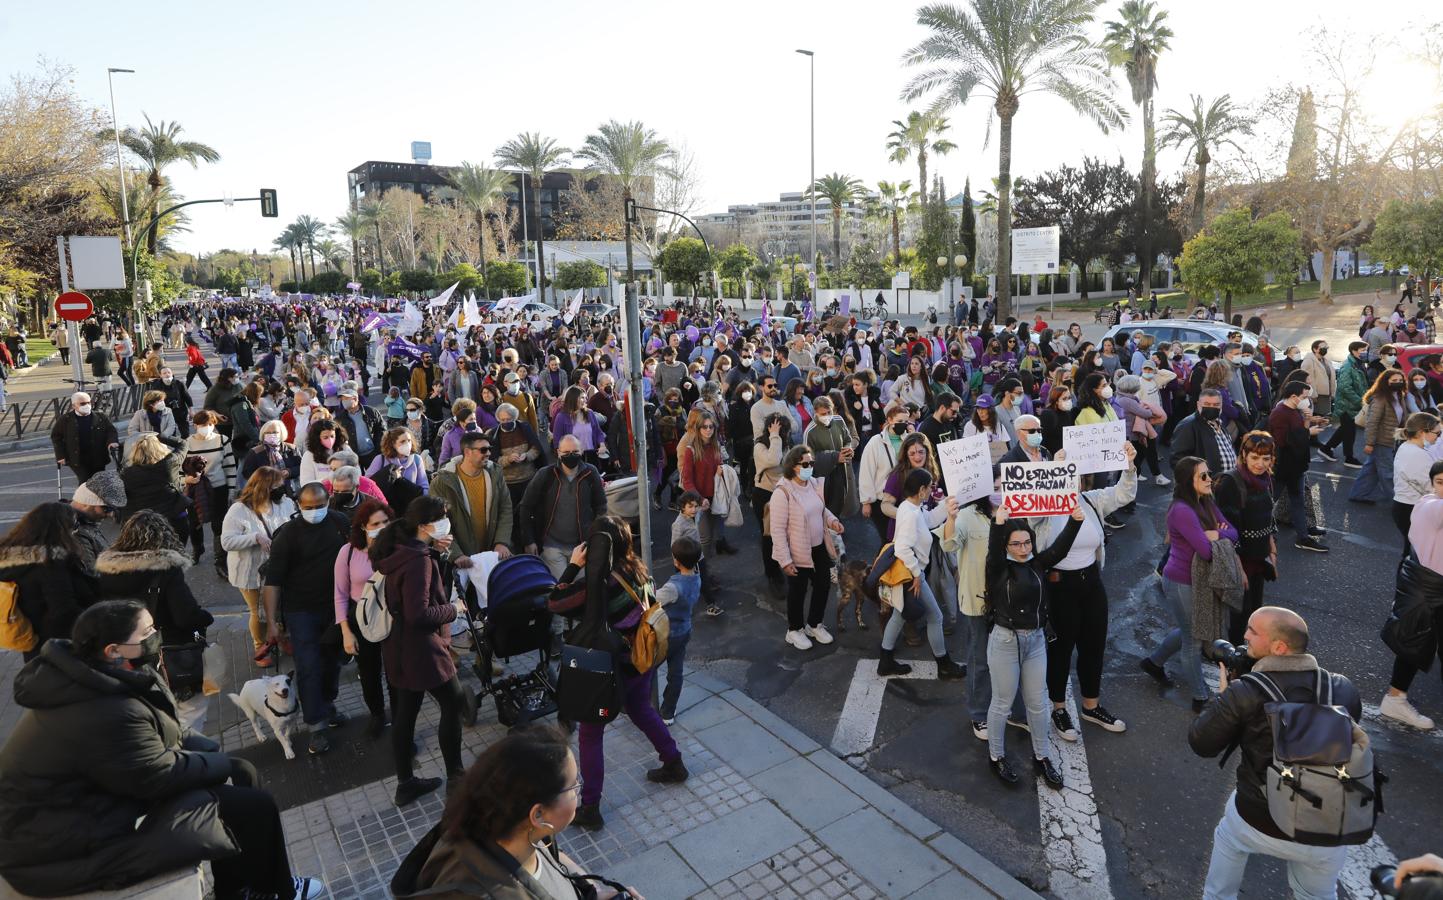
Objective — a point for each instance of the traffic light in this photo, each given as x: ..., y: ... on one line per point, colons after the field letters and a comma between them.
x: 268, y: 203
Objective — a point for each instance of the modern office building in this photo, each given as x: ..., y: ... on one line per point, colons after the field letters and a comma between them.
x: 783, y: 226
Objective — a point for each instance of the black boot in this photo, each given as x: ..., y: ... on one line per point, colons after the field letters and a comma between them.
x: 887, y: 665
x: 408, y: 791
x: 673, y: 772
x: 948, y: 668
x: 588, y: 816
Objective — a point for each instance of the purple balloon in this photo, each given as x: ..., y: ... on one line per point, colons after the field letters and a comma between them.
x: 692, y: 333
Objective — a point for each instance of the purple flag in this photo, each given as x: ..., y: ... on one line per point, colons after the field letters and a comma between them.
x: 807, y: 310
x: 403, y: 347
x: 766, y: 316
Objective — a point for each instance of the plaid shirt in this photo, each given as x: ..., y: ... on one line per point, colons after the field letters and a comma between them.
x: 1225, y: 447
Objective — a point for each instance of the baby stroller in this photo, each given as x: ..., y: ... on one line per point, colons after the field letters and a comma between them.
x: 514, y: 621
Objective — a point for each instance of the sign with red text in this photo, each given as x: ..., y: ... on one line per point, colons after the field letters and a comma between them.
x: 1037, y: 489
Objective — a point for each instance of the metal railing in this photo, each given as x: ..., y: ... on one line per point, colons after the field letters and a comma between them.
x: 33, y: 418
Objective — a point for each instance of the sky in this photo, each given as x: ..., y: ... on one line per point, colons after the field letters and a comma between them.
x: 295, y: 94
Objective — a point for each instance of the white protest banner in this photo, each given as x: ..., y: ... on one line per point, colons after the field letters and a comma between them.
x: 1096, y: 448
x: 1039, y: 489
x: 574, y: 307
x: 440, y: 300
x: 966, y: 467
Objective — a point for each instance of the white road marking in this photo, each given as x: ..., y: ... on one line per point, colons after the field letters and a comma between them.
x: 1071, y: 830
x: 857, y: 728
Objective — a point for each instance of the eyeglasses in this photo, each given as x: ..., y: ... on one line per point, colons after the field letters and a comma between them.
x: 1020, y: 544
x: 575, y: 787
x: 1026, y: 430
x: 482, y: 450
x: 1205, y: 476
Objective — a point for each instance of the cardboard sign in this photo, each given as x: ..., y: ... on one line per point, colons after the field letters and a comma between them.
x: 966, y: 467
x: 1096, y: 448
x: 1039, y: 489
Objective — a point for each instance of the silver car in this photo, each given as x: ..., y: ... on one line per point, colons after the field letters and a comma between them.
x: 1191, y: 333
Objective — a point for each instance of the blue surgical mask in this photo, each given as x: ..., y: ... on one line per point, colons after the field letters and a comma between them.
x: 1034, y: 440
x: 314, y: 516
x: 805, y: 473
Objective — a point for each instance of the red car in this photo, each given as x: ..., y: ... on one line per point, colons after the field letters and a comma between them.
x: 1409, y: 354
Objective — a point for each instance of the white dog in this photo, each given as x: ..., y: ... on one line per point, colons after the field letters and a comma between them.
x: 274, y: 699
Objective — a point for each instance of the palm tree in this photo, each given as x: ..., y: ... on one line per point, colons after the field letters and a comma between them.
x: 372, y: 212
x: 534, y: 154
x: 1004, y: 49
x: 479, y: 188
x: 332, y: 253
x: 895, y: 198
x: 353, y: 225
x: 1135, y: 42
x: 1200, y: 131
x: 159, y: 145
x: 839, y: 190
x: 311, y: 231
x: 920, y: 134
x: 289, y: 241
x: 627, y: 151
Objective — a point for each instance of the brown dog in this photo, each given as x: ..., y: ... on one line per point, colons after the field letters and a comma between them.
x: 852, y: 590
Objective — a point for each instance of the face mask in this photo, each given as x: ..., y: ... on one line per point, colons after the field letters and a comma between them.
x: 1107, y: 393
x: 508, y: 426
x: 1210, y: 414
x: 825, y: 420
x: 1389, y: 359
x: 372, y: 533
x: 1306, y: 407
x: 1295, y: 356
x: 272, y: 439
x: 413, y: 414
x: 747, y: 396
x: 899, y: 429
x: 805, y: 473
x: 149, y: 653
x: 440, y: 528
x: 1034, y: 440
x: 314, y: 516
x: 831, y: 373
x: 83, y: 409
x: 167, y: 379
x: 1065, y: 405
x: 1149, y: 376
x: 746, y: 360
x: 328, y: 442
x: 343, y: 499
x: 1246, y: 360
x: 1322, y: 351
x: 570, y: 460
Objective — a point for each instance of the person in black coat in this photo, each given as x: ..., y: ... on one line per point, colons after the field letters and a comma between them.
x: 83, y: 439
x: 864, y: 402
x: 177, y: 398
x: 1197, y: 434
x: 46, y: 563
x: 152, y: 480
x: 1277, y: 639
x: 100, y: 786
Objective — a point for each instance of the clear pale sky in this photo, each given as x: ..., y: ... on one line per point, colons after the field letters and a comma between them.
x: 294, y: 94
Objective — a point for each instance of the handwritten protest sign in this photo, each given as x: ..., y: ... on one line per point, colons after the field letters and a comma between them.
x: 966, y: 467
x: 1096, y: 448
x: 1039, y: 489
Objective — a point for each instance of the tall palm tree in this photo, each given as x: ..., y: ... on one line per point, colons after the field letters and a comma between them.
x: 353, y: 225
x: 311, y: 231
x: 1134, y: 42
x: 289, y: 241
x: 159, y: 145
x: 627, y: 151
x: 839, y: 190
x: 372, y: 212
x: 895, y: 198
x: 1200, y: 131
x: 478, y: 189
x: 1004, y: 49
x: 534, y: 154
x: 332, y: 253
x: 920, y: 134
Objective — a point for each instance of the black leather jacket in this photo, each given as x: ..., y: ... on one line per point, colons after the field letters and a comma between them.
x: 1017, y: 591
x: 1237, y: 718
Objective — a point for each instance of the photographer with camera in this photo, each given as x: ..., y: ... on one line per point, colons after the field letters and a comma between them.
x: 1419, y: 878
x: 1277, y: 644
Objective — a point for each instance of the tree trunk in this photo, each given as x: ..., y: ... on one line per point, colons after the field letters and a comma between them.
x: 153, y: 239
x: 1149, y: 177
x: 380, y: 250
x: 355, y: 257
x: 922, y: 173
x: 1198, y: 207
x: 1082, y: 291
x: 481, y: 245
x: 1325, y: 277
x: 1228, y: 307
x: 1004, y: 215
x: 896, y: 237
x: 836, y: 238
x: 540, y: 255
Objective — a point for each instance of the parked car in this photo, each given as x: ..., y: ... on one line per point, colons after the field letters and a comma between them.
x: 599, y: 310
x: 1410, y: 355
x: 1192, y: 333
x: 789, y: 323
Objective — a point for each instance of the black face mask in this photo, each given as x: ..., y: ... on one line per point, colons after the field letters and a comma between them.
x: 1210, y: 414
x: 570, y: 460
x: 149, y: 653
x: 1322, y: 351
x: 343, y: 499
x: 278, y: 494
x: 899, y: 429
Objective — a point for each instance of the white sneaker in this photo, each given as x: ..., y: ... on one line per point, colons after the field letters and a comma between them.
x: 799, y: 640
x: 979, y: 730
x: 819, y: 634
x: 308, y: 888
x: 1162, y: 481
x: 1398, y: 709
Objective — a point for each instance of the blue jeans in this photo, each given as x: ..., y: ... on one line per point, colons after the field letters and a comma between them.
x: 1312, y: 871
x: 229, y: 361
x: 318, y: 667
x: 1179, y: 603
x: 1017, y: 659
x: 932, y: 616
x: 675, y: 659
x: 1375, y: 479
x: 974, y: 649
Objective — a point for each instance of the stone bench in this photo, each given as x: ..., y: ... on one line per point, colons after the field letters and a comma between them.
x: 179, y: 884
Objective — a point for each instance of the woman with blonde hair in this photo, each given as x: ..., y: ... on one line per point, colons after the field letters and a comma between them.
x: 153, y: 481
x: 262, y: 507
x: 699, y: 456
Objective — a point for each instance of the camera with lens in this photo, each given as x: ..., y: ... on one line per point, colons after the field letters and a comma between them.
x: 1234, y: 659
x: 1418, y: 886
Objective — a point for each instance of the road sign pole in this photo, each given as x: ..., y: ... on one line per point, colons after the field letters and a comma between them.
x: 77, y: 371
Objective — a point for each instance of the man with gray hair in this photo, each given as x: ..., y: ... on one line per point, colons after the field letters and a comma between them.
x: 518, y: 451
x: 82, y: 438
x: 1028, y: 447
x: 559, y: 506
x: 345, y: 489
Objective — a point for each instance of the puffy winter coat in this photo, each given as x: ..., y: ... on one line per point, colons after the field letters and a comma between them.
x: 98, y: 750
x: 53, y: 587
x: 130, y: 574
x: 417, y: 652
x: 1411, y: 631
x: 157, y: 486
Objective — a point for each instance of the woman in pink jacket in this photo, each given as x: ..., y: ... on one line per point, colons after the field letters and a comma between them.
x: 802, y: 547
x: 352, y: 570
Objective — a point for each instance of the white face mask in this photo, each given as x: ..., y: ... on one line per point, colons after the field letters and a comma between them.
x: 372, y: 533
x: 514, y: 388
x: 825, y: 419
x: 167, y: 379
x: 1065, y: 405
x: 413, y: 414
x: 440, y: 528
x: 83, y: 409
x: 314, y: 516
x: 1107, y: 393
x: 403, y: 449
x: 205, y: 432
x: 1389, y: 359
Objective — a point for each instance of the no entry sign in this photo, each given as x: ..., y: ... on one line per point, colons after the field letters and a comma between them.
x: 73, y: 306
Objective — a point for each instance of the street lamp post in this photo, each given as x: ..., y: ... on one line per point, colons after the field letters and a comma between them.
x: 119, y: 160
x: 812, y: 177
x: 958, y: 261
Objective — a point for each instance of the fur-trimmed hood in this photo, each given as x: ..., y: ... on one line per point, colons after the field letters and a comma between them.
x: 118, y: 562
x: 34, y: 555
